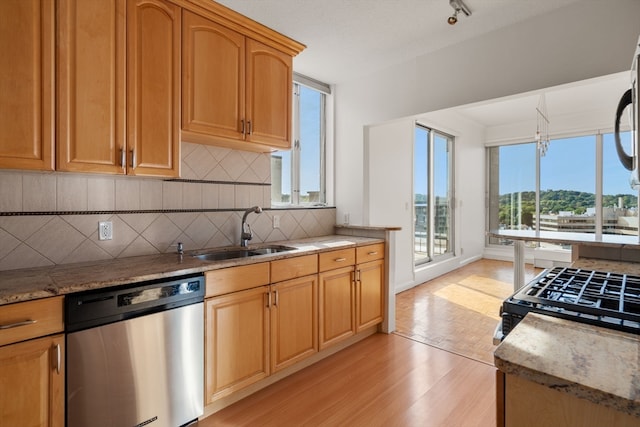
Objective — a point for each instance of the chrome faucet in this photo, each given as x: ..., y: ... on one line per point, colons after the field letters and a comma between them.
x: 246, y: 233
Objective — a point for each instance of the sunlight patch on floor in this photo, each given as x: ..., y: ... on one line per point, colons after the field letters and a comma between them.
x: 471, y: 299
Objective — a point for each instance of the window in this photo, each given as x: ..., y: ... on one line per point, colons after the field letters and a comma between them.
x: 298, y: 175
x: 433, y: 195
x: 565, y: 195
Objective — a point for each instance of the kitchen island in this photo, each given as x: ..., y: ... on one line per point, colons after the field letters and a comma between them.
x: 558, y: 372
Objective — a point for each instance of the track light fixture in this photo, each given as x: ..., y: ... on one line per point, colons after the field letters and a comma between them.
x: 458, y: 6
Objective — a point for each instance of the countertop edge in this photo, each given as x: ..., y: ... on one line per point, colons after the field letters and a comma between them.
x: 503, y: 360
x: 43, y: 282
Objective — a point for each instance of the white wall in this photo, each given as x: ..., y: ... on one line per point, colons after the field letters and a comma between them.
x: 388, y: 190
x: 571, y: 44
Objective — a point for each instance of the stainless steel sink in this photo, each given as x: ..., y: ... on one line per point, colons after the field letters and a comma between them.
x: 234, y: 253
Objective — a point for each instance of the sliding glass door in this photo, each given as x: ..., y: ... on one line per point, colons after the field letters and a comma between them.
x: 433, y: 195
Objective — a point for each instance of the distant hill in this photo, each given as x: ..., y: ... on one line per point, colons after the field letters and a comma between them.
x: 554, y: 201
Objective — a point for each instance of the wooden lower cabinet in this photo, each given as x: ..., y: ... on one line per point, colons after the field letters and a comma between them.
x: 236, y: 341
x: 369, y: 294
x: 528, y: 404
x: 337, y: 310
x: 32, y: 383
x: 294, y: 325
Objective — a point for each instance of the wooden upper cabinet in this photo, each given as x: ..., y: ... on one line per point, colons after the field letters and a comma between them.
x: 213, y: 66
x: 153, y: 87
x: 237, y: 91
x: 91, y: 57
x: 269, y: 95
x: 27, y: 84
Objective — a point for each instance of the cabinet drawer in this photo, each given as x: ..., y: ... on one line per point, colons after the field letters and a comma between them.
x: 234, y: 279
x: 290, y: 268
x: 31, y: 319
x: 337, y: 259
x: 369, y: 253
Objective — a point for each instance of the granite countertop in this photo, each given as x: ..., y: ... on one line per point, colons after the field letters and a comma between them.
x: 611, y: 240
x: 42, y: 282
x: 622, y: 267
x: 597, y: 364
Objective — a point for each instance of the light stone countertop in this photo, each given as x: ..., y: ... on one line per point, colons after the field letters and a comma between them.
x: 622, y: 267
x: 43, y: 282
x: 610, y: 240
x: 597, y: 364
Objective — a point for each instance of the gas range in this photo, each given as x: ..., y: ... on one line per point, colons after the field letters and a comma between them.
x: 610, y: 300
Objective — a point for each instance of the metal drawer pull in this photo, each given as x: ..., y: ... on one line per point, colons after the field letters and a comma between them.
x: 58, y: 359
x: 373, y: 253
x: 276, y: 295
x: 340, y: 259
x: 123, y: 158
x: 17, y: 324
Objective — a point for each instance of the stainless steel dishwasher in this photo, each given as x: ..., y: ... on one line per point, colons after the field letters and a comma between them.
x: 135, y: 355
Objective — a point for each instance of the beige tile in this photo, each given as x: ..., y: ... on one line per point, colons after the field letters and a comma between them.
x: 127, y: 194
x: 227, y: 196
x: 182, y: 220
x: 71, y: 193
x: 8, y: 243
x: 10, y: 191
x: 38, y: 192
x: 201, y: 231
x: 172, y: 195
x: 22, y: 227
x: 218, y: 174
x: 192, y: 195
x: 243, y: 197
x: 150, y: 194
x: 101, y: 194
x: 266, y: 196
x: 23, y: 257
x: 219, y: 239
x: 139, y: 247
x: 256, y: 195
x: 139, y: 222
x: 200, y: 161
x: 87, y: 251
x: 210, y: 194
x: 161, y: 233
x: 56, y: 241
x: 86, y: 224
x: 234, y: 164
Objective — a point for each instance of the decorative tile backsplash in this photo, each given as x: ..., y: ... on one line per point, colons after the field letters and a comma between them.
x: 216, y: 185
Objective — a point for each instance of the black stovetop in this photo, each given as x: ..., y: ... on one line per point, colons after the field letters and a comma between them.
x: 600, y: 298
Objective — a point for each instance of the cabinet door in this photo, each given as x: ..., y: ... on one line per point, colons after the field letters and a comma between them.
x: 32, y: 383
x: 269, y: 95
x: 91, y: 85
x: 153, y: 87
x: 236, y: 341
x: 336, y: 300
x: 27, y: 84
x: 294, y: 328
x: 213, y: 74
x: 369, y: 291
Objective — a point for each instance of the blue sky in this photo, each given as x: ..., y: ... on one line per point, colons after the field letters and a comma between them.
x: 420, y: 164
x: 569, y: 164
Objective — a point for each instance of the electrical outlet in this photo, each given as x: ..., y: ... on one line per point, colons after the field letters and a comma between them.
x: 346, y: 218
x: 105, y: 230
x: 276, y: 221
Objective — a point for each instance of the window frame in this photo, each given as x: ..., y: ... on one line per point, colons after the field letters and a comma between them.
x: 432, y: 256
x: 295, y: 151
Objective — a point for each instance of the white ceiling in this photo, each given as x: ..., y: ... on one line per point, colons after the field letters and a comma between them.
x: 350, y: 38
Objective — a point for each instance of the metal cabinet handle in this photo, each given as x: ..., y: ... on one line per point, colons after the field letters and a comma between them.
x: 373, y: 253
x: 133, y: 157
x: 17, y: 324
x: 340, y: 259
x: 123, y: 158
x: 250, y: 127
x: 58, y: 359
x: 242, y: 126
x: 268, y: 299
x: 276, y: 295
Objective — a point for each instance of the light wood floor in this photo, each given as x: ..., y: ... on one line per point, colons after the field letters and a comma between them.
x: 391, y: 380
x: 459, y: 311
